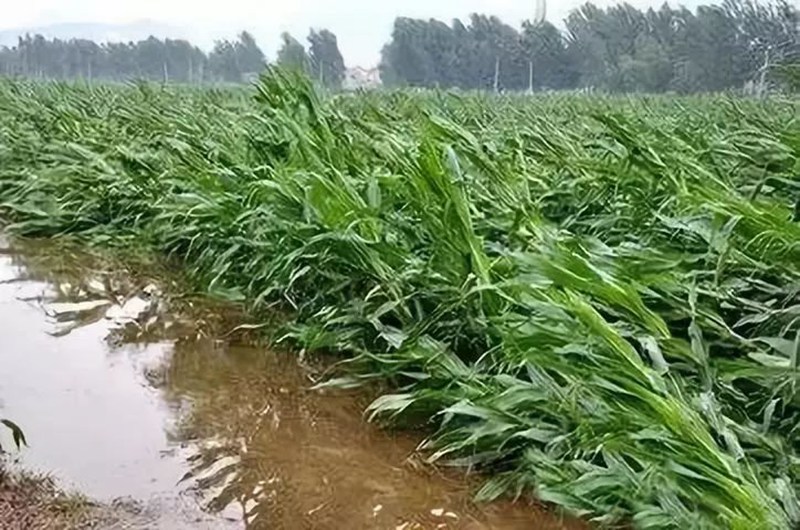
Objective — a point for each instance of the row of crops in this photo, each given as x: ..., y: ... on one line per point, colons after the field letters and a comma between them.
x: 593, y: 300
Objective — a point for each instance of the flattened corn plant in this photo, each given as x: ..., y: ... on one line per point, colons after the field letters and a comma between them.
x: 591, y: 299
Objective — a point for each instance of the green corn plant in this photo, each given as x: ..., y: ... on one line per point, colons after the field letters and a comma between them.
x: 590, y: 299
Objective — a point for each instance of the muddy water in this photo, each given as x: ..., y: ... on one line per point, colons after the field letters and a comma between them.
x: 122, y: 400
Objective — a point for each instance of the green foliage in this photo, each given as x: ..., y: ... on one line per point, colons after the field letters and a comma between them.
x: 233, y: 60
x: 153, y: 59
x: 591, y: 299
x: 789, y: 73
x: 292, y: 55
x: 619, y: 48
x: 736, y: 45
x: 322, y: 62
x: 324, y: 58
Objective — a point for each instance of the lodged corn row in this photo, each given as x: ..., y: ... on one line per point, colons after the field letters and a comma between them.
x: 591, y: 299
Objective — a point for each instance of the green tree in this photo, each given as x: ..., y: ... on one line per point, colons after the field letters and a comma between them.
x: 231, y: 61
x: 620, y: 48
x: 250, y: 58
x: 545, y: 50
x: 223, y: 62
x: 406, y: 59
x: 292, y: 54
x: 325, y: 59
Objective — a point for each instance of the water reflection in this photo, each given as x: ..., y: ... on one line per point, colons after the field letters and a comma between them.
x: 291, y: 457
x: 235, y: 427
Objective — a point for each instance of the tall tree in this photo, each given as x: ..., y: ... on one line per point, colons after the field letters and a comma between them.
x: 223, y: 62
x: 292, y: 54
x: 549, y: 64
x: 406, y: 60
x: 151, y: 58
x: 250, y: 58
x: 619, y: 48
x: 325, y: 59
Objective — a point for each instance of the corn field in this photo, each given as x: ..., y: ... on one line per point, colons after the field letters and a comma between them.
x: 588, y: 299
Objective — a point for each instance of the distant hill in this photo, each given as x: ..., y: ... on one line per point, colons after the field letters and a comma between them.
x: 133, y: 31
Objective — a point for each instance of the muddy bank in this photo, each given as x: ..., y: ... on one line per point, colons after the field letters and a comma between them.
x: 135, y: 403
x: 31, y: 501
x: 36, y: 502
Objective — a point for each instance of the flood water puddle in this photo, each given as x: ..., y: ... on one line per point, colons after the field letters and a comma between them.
x: 200, y: 431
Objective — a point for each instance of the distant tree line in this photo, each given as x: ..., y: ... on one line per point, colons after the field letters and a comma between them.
x: 166, y: 60
x: 619, y: 48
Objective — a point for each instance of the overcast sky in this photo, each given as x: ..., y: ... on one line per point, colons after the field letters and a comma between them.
x: 363, y: 26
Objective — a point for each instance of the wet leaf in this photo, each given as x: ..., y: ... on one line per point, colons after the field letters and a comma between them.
x: 16, y: 432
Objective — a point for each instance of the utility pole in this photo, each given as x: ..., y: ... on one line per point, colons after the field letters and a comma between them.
x: 778, y: 49
x: 530, y: 77
x: 166, y: 72
x: 762, y: 82
x: 497, y: 75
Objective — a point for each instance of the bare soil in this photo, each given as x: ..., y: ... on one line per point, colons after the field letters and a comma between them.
x: 34, y: 502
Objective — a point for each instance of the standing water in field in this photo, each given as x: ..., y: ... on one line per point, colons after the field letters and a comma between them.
x: 123, y: 400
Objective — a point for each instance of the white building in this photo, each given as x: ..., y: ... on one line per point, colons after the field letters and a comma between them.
x: 361, y: 78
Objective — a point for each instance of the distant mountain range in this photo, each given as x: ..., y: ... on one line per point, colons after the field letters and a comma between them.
x: 133, y: 31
